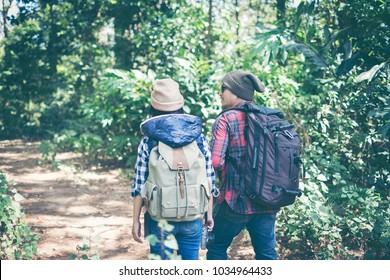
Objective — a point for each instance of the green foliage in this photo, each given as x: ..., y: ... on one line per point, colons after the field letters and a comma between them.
x: 308, y: 229
x: 168, y: 242
x: 84, y: 252
x: 198, y: 84
x: 107, y: 119
x: 360, y: 209
x: 49, y: 152
x: 21, y: 90
x: 337, y: 86
x: 383, y: 113
x: 121, y: 102
x: 51, y: 58
x: 16, y: 240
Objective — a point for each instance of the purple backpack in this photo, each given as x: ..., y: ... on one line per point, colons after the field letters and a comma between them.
x: 270, y: 171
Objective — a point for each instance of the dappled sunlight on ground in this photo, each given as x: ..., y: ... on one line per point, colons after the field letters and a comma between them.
x: 66, y: 205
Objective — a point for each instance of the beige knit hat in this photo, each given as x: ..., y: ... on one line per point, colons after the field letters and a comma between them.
x: 166, y: 96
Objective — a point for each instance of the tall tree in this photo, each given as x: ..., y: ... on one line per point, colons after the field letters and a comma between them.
x: 5, y: 7
x: 47, y: 34
x: 209, y: 28
x: 281, y: 11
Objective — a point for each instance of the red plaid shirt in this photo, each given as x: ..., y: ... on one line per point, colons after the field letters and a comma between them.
x: 228, y: 135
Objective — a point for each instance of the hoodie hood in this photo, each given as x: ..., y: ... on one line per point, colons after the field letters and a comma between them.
x: 175, y: 130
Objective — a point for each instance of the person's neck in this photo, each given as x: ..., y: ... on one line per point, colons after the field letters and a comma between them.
x: 238, y: 102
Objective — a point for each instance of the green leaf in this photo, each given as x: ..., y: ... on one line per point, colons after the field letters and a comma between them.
x: 322, y: 177
x: 308, y: 52
x: 139, y: 75
x: 95, y: 256
x: 323, y: 209
x: 368, y: 75
x: 171, y: 242
x: 152, y: 239
x: 164, y: 225
x: 18, y: 197
x: 72, y: 256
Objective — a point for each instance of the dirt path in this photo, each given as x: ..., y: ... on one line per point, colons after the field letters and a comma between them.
x: 65, y: 205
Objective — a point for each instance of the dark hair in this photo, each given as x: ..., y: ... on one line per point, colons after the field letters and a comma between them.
x: 154, y: 112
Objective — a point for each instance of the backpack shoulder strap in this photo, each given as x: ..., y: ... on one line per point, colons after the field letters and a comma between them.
x: 151, y: 144
x: 267, y: 111
x: 274, y: 112
x: 253, y: 108
x: 246, y: 108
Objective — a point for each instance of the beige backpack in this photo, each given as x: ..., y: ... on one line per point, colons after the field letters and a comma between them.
x: 177, y: 188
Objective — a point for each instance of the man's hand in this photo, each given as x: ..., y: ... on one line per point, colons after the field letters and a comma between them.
x: 210, y: 222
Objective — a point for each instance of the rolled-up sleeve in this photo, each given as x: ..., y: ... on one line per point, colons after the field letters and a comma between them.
x: 219, y: 143
x: 141, y: 170
x: 204, y: 147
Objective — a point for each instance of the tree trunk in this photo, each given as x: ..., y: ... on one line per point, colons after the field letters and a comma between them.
x: 237, y: 19
x: 51, y: 49
x: 281, y: 11
x: 238, y: 25
x: 4, y: 12
x: 126, y: 19
x: 209, y: 28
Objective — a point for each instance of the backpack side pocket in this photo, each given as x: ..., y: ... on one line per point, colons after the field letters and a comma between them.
x: 150, y: 195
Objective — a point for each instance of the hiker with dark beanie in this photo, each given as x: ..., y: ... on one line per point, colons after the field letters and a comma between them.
x: 173, y: 177
x: 234, y: 212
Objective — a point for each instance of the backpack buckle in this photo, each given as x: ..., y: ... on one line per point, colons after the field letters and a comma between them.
x: 180, y: 176
x: 278, y: 189
x: 288, y: 134
x: 215, y: 192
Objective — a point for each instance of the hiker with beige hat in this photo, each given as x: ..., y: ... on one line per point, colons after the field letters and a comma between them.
x: 173, y: 178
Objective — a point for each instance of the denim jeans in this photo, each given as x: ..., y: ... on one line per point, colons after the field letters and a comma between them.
x: 187, y: 234
x: 228, y: 224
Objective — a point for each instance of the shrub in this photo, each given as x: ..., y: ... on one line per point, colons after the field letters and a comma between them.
x: 16, y: 240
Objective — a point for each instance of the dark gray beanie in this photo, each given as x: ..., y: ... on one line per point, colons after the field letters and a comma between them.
x: 243, y: 84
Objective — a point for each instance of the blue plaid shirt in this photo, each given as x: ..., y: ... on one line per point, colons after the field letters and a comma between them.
x: 141, y: 171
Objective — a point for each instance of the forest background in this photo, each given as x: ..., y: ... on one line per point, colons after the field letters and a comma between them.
x: 76, y: 75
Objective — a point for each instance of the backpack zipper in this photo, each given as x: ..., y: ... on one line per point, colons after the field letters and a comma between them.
x: 276, y: 153
x: 264, y: 159
x: 291, y: 162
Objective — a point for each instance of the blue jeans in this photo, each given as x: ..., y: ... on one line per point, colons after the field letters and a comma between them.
x: 228, y: 224
x: 187, y: 234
